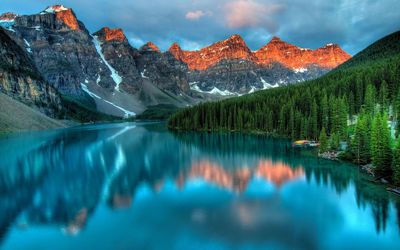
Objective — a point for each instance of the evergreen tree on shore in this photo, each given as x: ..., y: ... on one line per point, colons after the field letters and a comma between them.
x: 383, y: 96
x: 396, y: 165
x: 370, y: 99
x: 360, y: 144
x: 323, y: 141
x: 334, y: 141
x: 396, y: 112
x: 314, y: 121
x: 380, y: 146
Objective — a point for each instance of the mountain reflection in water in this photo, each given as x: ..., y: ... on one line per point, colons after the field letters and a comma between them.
x: 237, y: 180
x: 224, y: 189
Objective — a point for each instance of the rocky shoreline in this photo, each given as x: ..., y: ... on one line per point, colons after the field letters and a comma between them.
x: 368, y: 168
x: 330, y: 155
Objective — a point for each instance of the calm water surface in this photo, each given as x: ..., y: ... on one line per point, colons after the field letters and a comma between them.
x: 138, y: 186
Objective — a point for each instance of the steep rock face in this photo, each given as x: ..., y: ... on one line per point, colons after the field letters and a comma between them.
x: 231, y: 76
x: 65, y: 15
x: 147, y: 76
x: 107, y: 35
x: 163, y: 69
x: 145, y: 64
x: 231, y: 48
x: 63, y: 50
x: 177, y: 52
x: 294, y: 57
x: 120, y: 54
x: 150, y: 46
x: 237, y: 77
x: 20, y: 79
x: 330, y: 56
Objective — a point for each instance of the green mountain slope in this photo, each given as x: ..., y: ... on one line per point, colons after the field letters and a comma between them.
x: 16, y: 116
x: 384, y: 48
x: 300, y: 111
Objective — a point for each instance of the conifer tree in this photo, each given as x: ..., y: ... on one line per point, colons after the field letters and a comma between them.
x: 324, y: 111
x: 351, y: 105
x: 270, y: 122
x: 323, y: 141
x: 396, y: 165
x: 303, y: 128
x: 396, y: 112
x: 369, y: 101
x: 380, y: 146
x: 333, y: 115
x: 359, y: 94
x: 282, y: 121
x: 291, y: 123
x: 342, y: 118
x: 314, y: 121
x: 383, y: 96
x: 360, y: 144
x: 334, y: 141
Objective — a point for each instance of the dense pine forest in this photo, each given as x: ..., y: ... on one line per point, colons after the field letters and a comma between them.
x: 354, y: 103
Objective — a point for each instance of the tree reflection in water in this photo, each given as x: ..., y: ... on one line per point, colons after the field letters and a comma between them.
x: 62, y: 181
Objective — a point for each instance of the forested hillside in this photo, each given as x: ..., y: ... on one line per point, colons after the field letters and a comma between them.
x: 302, y: 110
x: 368, y: 84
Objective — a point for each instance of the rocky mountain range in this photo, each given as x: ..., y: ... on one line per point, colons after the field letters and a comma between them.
x: 21, y: 80
x: 229, y: 67
x: 102, y: 70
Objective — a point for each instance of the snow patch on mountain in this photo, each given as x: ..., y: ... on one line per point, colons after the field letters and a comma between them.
x: 300, y: 70
x: 214, y: 91
x: 252, y: 90
x: 55, y: 9
x: 28, y: 46
x: 114, y: 74
x: 127, y: 112
x: 143, y: 74
x: 267, y: 85
x: 98, y: 79
x: 37, y: 28
x: 282, y: 81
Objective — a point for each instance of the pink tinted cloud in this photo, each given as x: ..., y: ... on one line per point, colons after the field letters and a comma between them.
x: 250, y: 13
x: 195, y: 15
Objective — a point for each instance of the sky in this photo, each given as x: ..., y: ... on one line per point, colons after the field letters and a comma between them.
x: 353, y: 24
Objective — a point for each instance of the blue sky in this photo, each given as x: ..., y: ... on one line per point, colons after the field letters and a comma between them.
x: 353, y: 24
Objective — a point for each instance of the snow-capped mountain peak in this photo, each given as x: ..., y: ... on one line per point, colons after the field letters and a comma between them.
x: 56, y: 9
x: 9, y: 16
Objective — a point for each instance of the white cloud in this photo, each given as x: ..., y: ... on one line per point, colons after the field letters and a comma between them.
x: 195, y: 15
x: 250, y: 13
x: 136, y: 41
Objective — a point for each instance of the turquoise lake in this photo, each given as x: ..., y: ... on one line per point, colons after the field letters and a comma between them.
x: 140, y: 186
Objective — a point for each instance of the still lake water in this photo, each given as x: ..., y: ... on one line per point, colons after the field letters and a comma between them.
x: 139, y: 186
